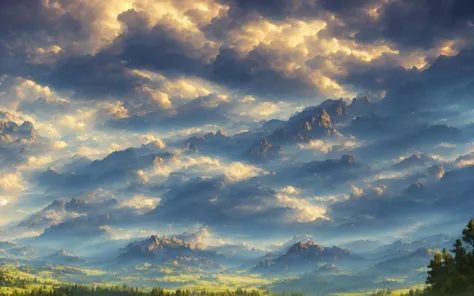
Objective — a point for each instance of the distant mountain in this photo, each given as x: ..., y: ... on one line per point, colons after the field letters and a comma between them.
x: 7, y: 245
x: 117, y: 167
x: 64, y: 257
x: 262, y: 150
x: 330, y: 165
x: 304, y: 257
x: 401, y: 248
x: 406, y: 264
x: 294, y: 240
x: 416, y: 189
x: 335, y: 109
x: 168, y: 249
x: 239, y: 252
x: 311, y: 123
x: 361, y: 107
x: 269, y: 141
x: 75, y: 231
x: 249, y: 264
x: 60, y: 211
x: 272, y: 125
x: 413, y: 161
x: 424, y: 139
x: 11, y: 249
x: 362, y: 246
x: 210, y: 142
x: 331, y: 171
x: 50, y: 215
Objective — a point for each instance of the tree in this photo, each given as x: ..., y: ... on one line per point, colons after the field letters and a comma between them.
x: 453, y: 274
x: 468, y: 233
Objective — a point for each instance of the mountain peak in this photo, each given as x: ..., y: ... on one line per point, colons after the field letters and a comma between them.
x: 74, y: 204
x: 349, y: 159
x: 63, y: 252
x: 55, y: 205
x: 305, y: 246
x: 165, y: 247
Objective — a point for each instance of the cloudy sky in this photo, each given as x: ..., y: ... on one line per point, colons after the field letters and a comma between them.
x: 84, y: 80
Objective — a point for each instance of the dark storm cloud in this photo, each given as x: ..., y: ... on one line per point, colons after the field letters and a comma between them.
x: 26, y: 18
x: 164, y: 49
x: 254, y: 74
x: 425, y: 23
x: 377, y: 75
x: 281, y: 9
x: 448, y: 81
x: 161, y: 48
x: 94, y: 77
x: 278, y: 9
x: 409, y: 24
x: 43, y: 108
x: 345, y: 8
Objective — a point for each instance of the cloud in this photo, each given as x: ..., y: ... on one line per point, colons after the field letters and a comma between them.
x: 356, y: 191
x: 316, y: 144
x: 71, y: 122
x: 60, y: 145
x: 239, y: 171
x: 142, y: 202
x: 303, y: 211
x: 290, y: 190
x: 92, y: 78
x: 113, y: 110
x: 12, y: 182
x: 427, y: 23
x: 211, y: 109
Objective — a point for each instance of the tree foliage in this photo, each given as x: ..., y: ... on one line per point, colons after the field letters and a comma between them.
x: 452, y: 273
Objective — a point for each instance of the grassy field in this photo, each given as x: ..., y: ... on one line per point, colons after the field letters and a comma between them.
x: 146, y: 276
x: 394, y: 292
x: 33, y: 281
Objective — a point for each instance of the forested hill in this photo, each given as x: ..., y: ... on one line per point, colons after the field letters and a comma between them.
x: 451, y: 273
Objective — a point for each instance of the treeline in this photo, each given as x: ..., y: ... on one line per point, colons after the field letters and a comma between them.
x: 389, y: 292
x: 124, y: 290
x: 452, y: 273
x: 12, y: 282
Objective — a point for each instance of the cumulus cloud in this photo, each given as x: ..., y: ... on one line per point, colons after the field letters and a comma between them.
x: 302, y: 210
x: 150, y: 138
x: 240, y: 171
x: 12, y: 182
x: 321, y: 145
x: 142, y: 202
x: 60, y: 145
x: 356, y: 191
x: 290, y: 190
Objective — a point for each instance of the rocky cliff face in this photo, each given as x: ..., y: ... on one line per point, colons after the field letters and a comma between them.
x: 304, y: 256
x: 164, y: 248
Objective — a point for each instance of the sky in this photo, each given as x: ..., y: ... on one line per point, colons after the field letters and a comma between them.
x: 162, y: 116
